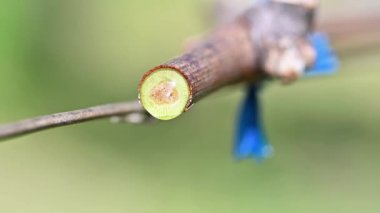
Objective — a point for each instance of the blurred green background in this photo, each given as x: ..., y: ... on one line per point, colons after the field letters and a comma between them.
x: 66, y: 54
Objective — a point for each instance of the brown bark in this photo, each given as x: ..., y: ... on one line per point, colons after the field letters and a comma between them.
x: 225, y: 58
x: 237, y: 52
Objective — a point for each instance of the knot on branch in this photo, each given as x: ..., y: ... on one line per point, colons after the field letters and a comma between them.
x: 279, y: 31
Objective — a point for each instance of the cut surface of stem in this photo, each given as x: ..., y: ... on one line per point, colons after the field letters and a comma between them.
x: 164, y: 93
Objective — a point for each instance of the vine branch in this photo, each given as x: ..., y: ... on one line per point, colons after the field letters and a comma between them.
x: 346, y: 35
x: 73, y: 117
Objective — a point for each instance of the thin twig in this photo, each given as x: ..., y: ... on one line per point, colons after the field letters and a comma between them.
x: 351, y: 27
x: 68, y: 118
x: 353, y: 35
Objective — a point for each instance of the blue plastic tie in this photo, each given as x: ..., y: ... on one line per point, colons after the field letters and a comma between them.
x: 251, y: 140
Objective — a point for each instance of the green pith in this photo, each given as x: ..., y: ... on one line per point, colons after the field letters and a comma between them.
x: 169, y: 108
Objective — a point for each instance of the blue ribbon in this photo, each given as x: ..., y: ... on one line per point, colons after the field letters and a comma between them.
x: 251, y: 140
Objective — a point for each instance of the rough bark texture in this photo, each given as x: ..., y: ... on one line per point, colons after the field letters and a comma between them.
x: 237, y: 51
x: 225, y: 58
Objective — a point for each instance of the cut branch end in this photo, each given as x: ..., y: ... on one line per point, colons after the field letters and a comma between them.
x: 164, y: 93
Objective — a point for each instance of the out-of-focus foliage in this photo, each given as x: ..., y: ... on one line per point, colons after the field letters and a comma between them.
x: 64, y: 54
